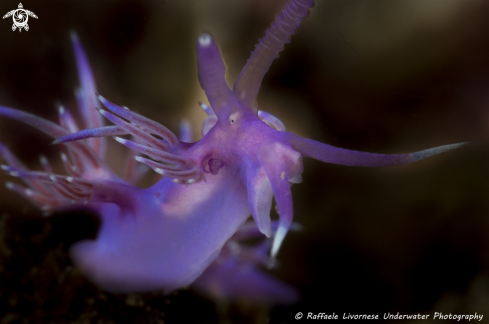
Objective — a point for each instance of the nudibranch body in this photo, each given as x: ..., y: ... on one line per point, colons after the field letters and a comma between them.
x: 166, y: 236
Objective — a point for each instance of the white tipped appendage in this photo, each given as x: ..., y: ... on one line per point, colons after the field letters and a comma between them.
x: 160, y: 171
x: 204, y: 39
x: 43, y: 159
x: 277, y: 240
x: 120, y: 139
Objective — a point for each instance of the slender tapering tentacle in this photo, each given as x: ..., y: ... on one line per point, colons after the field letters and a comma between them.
x: 135, y: 131
x: 276, y: 171
x: 91, y: 132
x: 55, y: 131
x: 66, y: 120
x: 141, y: 121
x: 336, y: 155
x: 12, y: 161
x: 45, y: 164
x: 40, y: 200
x: 208, y: 110
x: 210, y: 121
x: 134, y: 171
x: 156, y: 165
x: 66, y: 188
x: 260, y: 196
x: 212, y: 73
x: 249, y: 79
x: 271, y: 120
x: 153, y: 153
x: 70, y: 168
x: 173, y: 171
x: 86, y: 95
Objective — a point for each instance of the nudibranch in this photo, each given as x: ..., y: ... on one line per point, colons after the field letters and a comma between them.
x: 166, y: 236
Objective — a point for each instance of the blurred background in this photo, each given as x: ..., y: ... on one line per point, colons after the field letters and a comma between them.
x: 369, y: 75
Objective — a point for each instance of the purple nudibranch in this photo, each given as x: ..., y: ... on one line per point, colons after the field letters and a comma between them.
x: 169, y: 235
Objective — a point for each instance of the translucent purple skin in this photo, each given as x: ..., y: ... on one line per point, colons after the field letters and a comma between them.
x: 166, y: 236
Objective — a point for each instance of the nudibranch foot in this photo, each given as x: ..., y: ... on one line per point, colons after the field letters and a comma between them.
x: 236, y: 273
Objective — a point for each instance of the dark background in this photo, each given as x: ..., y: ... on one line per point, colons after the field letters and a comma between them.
x: 380, y: 76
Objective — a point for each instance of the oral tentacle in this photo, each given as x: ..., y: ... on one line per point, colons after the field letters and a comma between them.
x: 249, y: 80
x: 271, y: 120
x: 330, y: 154
x: 212, y: 74
x: 260, y: 195
x: 135, y: 131
x: 276, y: 171
x: 86, y: 96
x: 90, y: 133
x: 66, y: 120
x: 139, y: 120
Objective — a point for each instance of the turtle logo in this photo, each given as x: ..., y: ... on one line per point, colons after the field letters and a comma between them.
x: 20, y: 17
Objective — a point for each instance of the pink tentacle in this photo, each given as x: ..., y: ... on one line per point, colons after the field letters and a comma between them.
x: 136, y: 132
x: 155, y: 165
x: 86, y: 95
x: 141, y: 121
x: 153, y: 153
x: 66, y: 120
x: 90, y: 133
